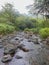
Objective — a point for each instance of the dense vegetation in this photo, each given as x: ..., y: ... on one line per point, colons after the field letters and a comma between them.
x: 5, y: 28
x: 11, y: 20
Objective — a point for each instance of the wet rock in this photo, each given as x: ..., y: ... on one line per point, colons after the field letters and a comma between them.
x: 26, y: 36
x: 6, y: 58
x: 47, y: 40
x: 29, y: 40
x: 44, y: 42
x: 1, y: 46
x: 30, y: 33
x: 17, y: 38
x: 1, y: 36
x: 25, y: 49
x: 18, y: 57
x: 0, y: 41
x: 35, y: 40
x: 21, y: 39
x: 21, y: 46
x: 15, y: 43
x: 9, y: 49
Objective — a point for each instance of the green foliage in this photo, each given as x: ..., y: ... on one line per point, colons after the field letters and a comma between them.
x: 39, y: 6
x: 8, y: 14
x: 34, y: 30
x: 44, y: 32
x: 27, y: 29
x: 6, y: 29
x: 31, y: 23
x: 26, y: 22
x: 11, y: 20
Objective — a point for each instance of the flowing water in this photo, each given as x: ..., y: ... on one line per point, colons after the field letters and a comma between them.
x: 38, y: 54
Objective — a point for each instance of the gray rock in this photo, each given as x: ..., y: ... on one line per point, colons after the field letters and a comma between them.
x: 21, y: 46
x: 0, y: 41
x: 1, y: 46
x: 16, y: 38
x: 9, y: 49
x: 18, y: 57
x: 25, y: 49
x: 47, y: 40
x: 29, y: 40
x: 35, y: 40
x: 14, y: 42
x: 6, y: 58
x: 44, y: 41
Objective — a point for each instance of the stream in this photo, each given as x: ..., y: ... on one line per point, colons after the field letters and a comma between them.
x: 38, y: 53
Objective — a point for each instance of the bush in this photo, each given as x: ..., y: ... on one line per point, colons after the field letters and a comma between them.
x: 26, y: 29
x: 5, y: 29
x: 44, y: 32
x: 34, y: 30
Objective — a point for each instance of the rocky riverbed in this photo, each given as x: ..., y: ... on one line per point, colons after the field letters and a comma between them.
x: 23, y: 49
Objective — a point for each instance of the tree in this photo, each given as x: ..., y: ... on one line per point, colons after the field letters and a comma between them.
x: 40, y: 6
x: 8, y: 12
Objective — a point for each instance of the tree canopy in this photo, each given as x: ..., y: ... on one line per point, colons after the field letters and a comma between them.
x: 40, y: 6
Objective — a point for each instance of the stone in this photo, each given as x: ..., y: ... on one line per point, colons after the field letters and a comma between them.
x: 29, y: 40
x: 26, y: 36
x: 25, y: 49
x: 14, y: 42
x: 18, y: 57
x: 1, y: 46
x: 6, y: 58
x: 44, y: 42
x: 30, y: 33
x: 9, y: 49
x: 21, y: 46
x: 35, y: 40
x: 17, y: 38
x: 0, y: 41
x: 47, y: 40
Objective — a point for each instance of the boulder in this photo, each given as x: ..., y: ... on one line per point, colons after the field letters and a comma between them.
x: 21, y: 46
x: 1, y: 46
x: 30, y: 33
x: 6, y: 58
x: 29, y: 40
x: 44, y: 42
x: 16, y: 38
x: 26, y: 36
x: 14, y: 42
x: 18, y: 57
x: 35, y: 40
x: 0, y: 41
x: 9, y: 49
x: 25, y: 49
x: 47, y: 40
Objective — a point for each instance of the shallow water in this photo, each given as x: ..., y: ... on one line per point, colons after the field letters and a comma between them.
x: 38, y: 54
